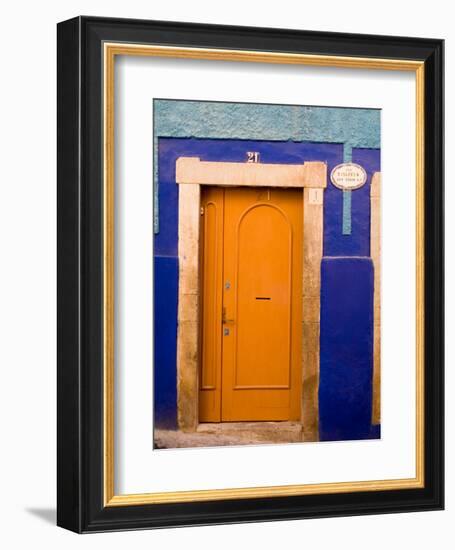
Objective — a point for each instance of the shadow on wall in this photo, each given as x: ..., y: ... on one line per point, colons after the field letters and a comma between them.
x: 48, y: 515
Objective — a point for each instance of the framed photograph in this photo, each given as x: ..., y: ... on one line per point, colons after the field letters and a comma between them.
x: 250, y: 274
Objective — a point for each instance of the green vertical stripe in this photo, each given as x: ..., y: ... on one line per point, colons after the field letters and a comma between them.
x: 347, y: 195
x: 156, y: 179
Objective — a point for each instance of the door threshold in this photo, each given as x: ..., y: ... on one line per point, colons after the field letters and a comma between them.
x: 218, y: 434
x: 241, y: 426
x: 266, y: 431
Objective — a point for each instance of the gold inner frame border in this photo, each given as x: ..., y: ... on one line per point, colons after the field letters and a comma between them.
x: 110, y: 51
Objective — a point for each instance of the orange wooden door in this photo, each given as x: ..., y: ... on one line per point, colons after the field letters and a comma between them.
x: 252, y: 318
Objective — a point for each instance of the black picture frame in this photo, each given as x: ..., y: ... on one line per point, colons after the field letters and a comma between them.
x: 80, y: 473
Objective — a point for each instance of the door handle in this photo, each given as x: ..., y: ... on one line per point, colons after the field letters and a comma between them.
x: 223, y: 318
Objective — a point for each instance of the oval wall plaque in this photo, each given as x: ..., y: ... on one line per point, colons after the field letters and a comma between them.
x: 348, y: 176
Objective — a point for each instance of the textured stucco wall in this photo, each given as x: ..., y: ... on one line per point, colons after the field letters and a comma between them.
x: 285, y: 134
x: 355, y: 127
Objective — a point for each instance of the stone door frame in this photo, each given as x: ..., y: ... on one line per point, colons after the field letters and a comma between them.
x: 191, y: 173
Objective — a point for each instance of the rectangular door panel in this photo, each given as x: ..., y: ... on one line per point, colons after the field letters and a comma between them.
x: 211, y: 261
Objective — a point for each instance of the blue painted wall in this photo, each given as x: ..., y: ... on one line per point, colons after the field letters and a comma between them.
x: 347, y: 284
x: 165, y: 341
x: 347, y: 272
x: 358, y: 242
x: 166, y: 240
x: 346, y: 366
